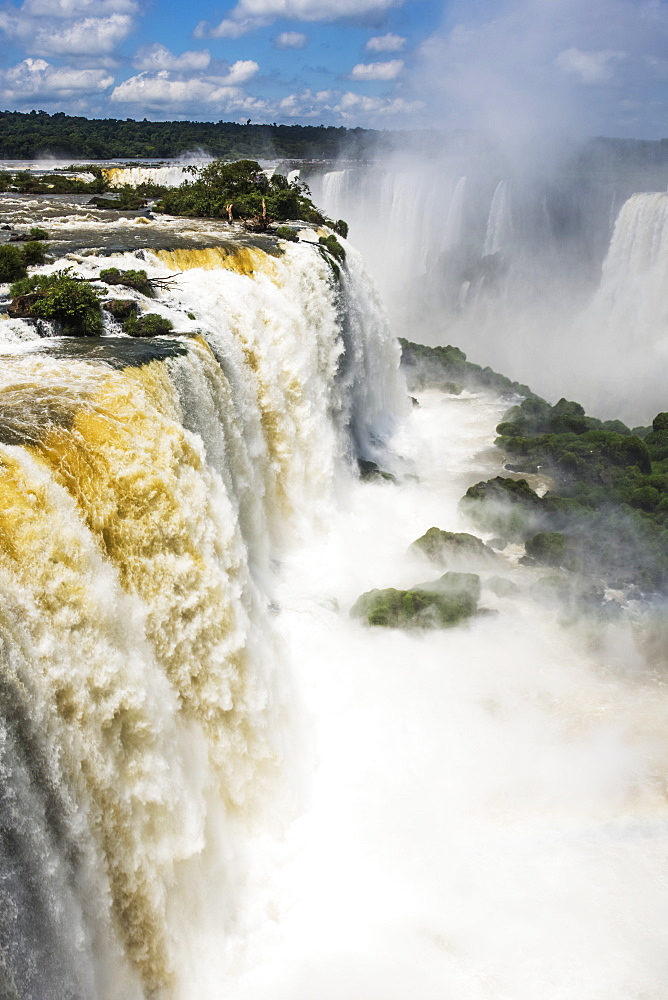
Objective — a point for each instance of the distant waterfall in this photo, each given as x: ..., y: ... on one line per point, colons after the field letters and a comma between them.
x: 146, y: 487
x: 499, y: 225
x: 622, y: 335
x: 172, y: 175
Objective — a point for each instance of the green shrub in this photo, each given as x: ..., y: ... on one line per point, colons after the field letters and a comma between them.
x: 70, y: 301
x: 12, y: 263
x: 37, y: 233
x: 332, y: 245
x: 131, y: 279
x: 148, y: 325
x: 33, y: 253
x: 287, y: 233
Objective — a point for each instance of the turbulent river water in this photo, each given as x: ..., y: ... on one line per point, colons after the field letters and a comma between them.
x: 212, y: 781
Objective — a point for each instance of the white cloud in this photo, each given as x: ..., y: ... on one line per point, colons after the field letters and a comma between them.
x: 227, y: 28
x: 377, y: 71
x: 307, y: 104
x: 350, y: 102
x: 250, y: 14
x: 163, y: 90
x: 78, y: 8
x: 385, y: 43
x: 157, y: 57
x: 290, y: 40
x: 36, y: 78
x: 240, y: 71
x: 92, y: 36
x: 589, y: 67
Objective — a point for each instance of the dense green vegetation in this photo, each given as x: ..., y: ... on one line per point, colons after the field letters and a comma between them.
x: 25, y: 182
x: 76, y: 304
x: 240, y: 190
x: 25, y: 136
x: 447, y: 368
x: 15, y: 259
x: 60, y: 296
x: 606, y: 515
x: 220, y: 190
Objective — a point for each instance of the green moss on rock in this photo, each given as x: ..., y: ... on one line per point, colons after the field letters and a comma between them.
x: 445, y: 547
x: 442, y: 603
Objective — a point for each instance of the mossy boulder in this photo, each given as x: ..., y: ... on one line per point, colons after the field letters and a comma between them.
x: 148, y: 325
x: 501, y: 586
x: 370, y: 471
x: 442, y: 603
x: 447, y: 547
x: 548, y: 547
x: 507, y: 507
x: 121, y: 308
x: 138, y: 280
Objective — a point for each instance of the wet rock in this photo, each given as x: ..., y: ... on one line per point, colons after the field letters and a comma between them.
x: 442, y: 603
x: 501, y: 586
x: 369, y: 470
x: 446, y: 547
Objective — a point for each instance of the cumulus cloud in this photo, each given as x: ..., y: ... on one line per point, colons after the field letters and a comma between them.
x: 589, y: 67
x: 377, y: 71
x: 36, y: 79
x: 348, y: 107
x: 385, y: 43
x: 165, y: 90
x: 90, y: 36
x: 157, y: 57
x: 351, y: 102
x: 290, y: 40
x: 307, y: 104
x: 250, y: 14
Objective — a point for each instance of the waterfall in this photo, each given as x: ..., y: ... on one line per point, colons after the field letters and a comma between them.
x: 499, y: 224
x: 147, y: 490
x: 621, y: 335
x: 171, y: 175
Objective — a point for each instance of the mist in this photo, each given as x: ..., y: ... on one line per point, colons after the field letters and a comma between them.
x: 494, y: 233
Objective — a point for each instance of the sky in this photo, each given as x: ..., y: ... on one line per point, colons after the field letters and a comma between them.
x: 597, y: 67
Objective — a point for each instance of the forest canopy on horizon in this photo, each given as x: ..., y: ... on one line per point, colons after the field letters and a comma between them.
x: 25, y: 135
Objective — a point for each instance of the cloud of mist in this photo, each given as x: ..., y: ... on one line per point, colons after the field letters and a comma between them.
x: 494, y: 236
x: 519, y: 66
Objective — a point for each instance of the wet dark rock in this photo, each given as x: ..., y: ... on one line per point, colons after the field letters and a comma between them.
x: 121, y: 308
x: 370, y: 470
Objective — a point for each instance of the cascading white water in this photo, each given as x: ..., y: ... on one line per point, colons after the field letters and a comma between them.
x: 171, y: 175
x: 623, y: 334
x: 480, y: 812
x: 147, y: 490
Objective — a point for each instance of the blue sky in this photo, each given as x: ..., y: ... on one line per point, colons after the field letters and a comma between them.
x: 592, y: 66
